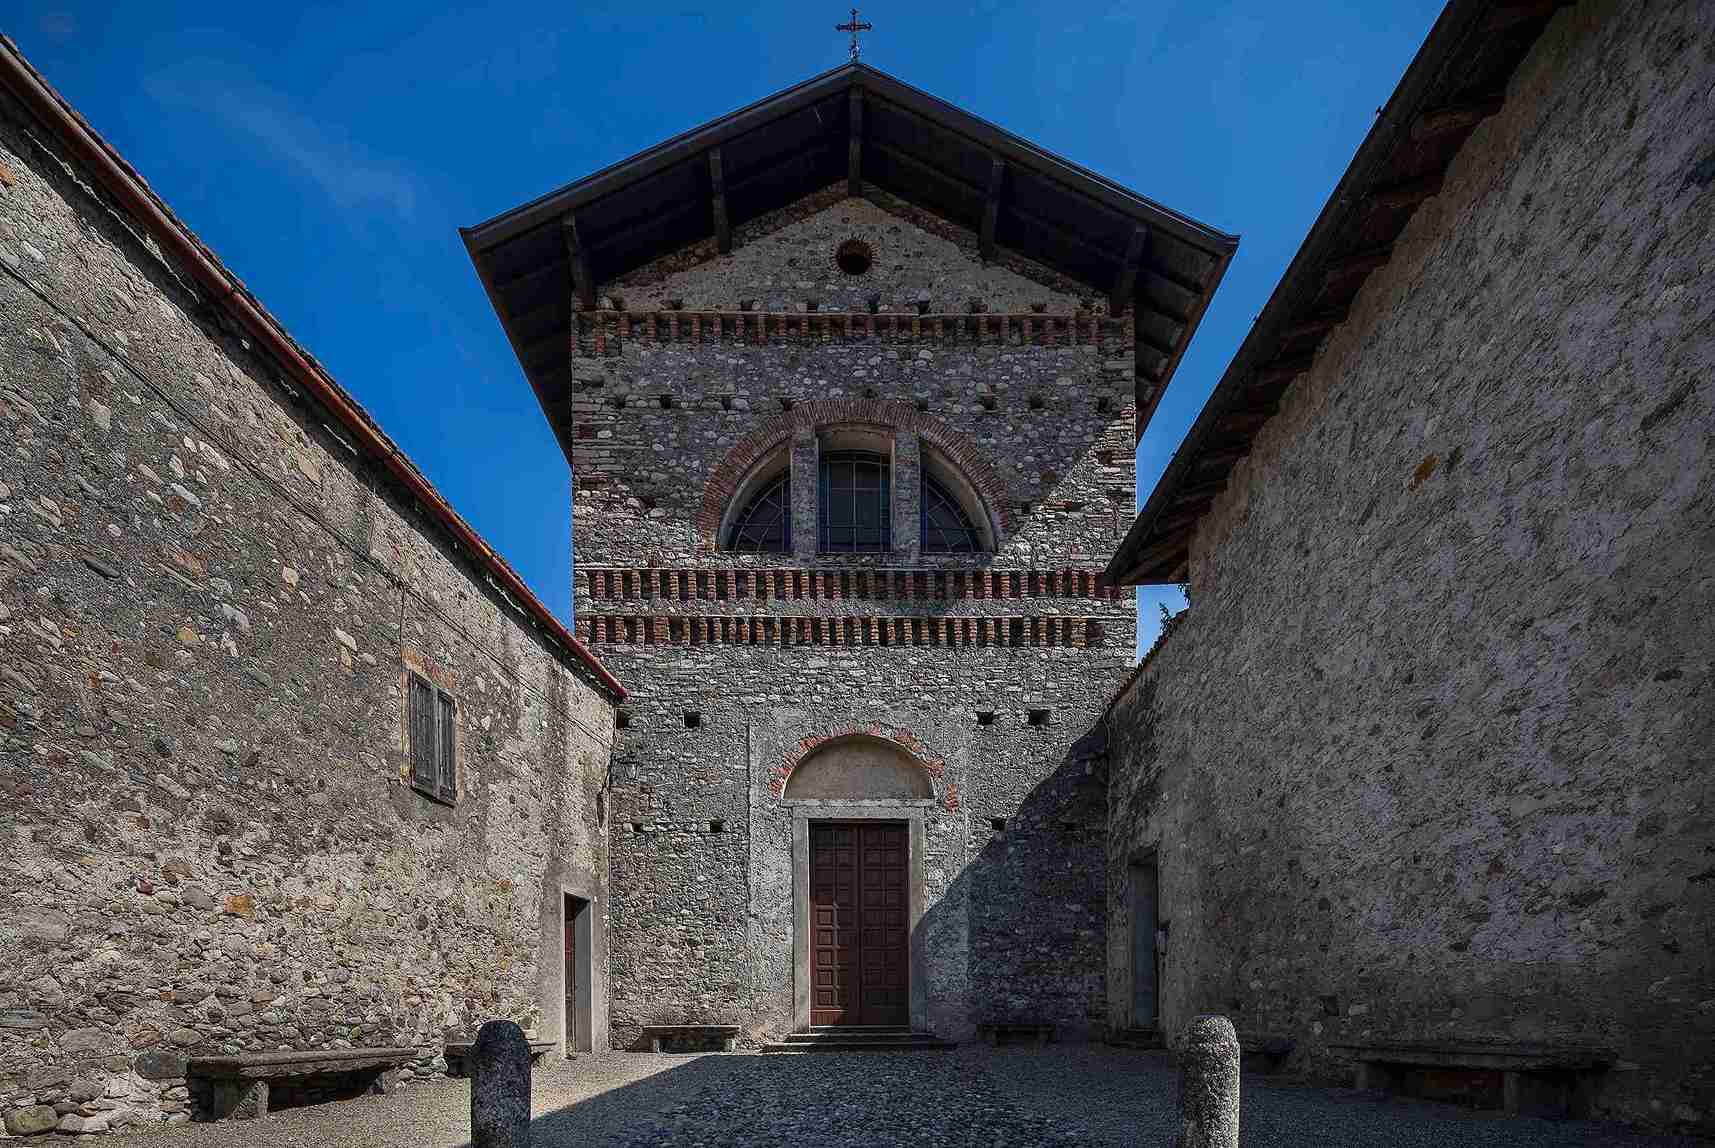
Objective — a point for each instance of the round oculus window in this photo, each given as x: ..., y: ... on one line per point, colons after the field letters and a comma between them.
x: 854, y: 257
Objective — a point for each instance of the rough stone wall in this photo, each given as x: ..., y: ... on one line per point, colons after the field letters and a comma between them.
x: 656, y: 411
x: 701, y: 868
x: 1429, y: 756
x: 207, y: 607
x: 779, y: 651
x: 786, y: 260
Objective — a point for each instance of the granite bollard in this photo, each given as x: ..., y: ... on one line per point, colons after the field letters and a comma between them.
x: 1209, y: 1084
x: 500, y: 1087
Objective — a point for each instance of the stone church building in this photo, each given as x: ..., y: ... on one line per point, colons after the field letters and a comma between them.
x: 849, y: 381
x: 848, y: 732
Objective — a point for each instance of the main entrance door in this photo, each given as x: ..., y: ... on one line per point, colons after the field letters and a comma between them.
x: 859, y: 928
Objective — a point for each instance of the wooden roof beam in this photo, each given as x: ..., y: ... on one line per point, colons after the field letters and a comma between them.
x: 1120, y: 297
x: 1456, y: 117
x: 1282, y: 371
x: 1511, y: 15
x: 1183, y: 521
x: 583, y: 285
x: 1359, y: 263
x: 1220, y: 459
x: 854, y: 143
x: 1162, y: 548
x: 991, y: 209
x: 1315, y: 326
x: 717, y: 184
x: 1408, y: 194
x: 1242, y: 422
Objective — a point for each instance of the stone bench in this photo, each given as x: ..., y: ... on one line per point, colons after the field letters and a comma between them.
x: 458, y: 1054
x: 706, y: 1035
x: 237, y: 1085
x: 1015, y: 1032
x: 1526, y: 1079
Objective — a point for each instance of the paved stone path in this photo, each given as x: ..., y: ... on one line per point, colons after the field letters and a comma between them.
x: 973, y: 1096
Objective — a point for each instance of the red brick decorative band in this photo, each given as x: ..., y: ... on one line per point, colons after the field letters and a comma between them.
x: 753, y: 630
x: 606, y: 332
x: 778, y: 432
x: 863, y: 585
x: 933, y: 764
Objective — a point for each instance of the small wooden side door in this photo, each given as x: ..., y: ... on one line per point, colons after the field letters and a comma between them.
x: 570, y: 918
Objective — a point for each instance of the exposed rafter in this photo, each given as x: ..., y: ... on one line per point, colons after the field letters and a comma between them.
x: 717, y: 184
x: 1120, y: 298
x: 1408, y: 194
x: 854, y: 145
x: 1359, y: 262
x: 991, y: 209
x: 1456, y: 117
x: 1314, y: 327
x: 582, y: 284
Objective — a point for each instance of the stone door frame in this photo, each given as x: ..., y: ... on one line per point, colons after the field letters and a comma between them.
x: 909, y: 812
x: 581, y: 1038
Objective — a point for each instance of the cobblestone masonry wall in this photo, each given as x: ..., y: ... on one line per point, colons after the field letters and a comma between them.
x: 1429, y: 756
x: 1043, y: 404
x: 206, y: 609
x: 776, y: 652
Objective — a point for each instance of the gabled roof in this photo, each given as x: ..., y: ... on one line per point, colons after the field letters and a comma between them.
x: 861, y: 126
x: 1457, y: 80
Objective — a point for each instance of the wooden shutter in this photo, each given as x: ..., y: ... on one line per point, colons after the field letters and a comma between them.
x: 449, y: 740
x: 421, y: 716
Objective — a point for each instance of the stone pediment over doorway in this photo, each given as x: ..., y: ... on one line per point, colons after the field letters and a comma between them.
x: 859, y: 768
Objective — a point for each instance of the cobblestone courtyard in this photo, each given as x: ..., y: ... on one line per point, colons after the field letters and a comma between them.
x: 1086, y: 1095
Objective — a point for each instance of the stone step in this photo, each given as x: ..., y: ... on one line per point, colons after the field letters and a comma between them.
x: 855, y: 1039
x: 1138, y: 1038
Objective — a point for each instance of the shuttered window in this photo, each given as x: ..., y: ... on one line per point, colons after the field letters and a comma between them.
x: 449, y: 744
x: 432, y: 721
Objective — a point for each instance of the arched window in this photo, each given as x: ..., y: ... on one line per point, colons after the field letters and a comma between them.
x: 855, y: 510
x: 947, y: 529
x: 764, y: 526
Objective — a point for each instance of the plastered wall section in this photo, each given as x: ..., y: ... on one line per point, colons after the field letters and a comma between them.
x: 1429, y: 758
x: 207, y: 605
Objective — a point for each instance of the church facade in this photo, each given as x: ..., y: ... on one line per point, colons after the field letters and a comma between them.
x: 849, y: 382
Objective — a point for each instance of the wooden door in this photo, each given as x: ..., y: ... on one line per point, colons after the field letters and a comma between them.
x: 859, y: 924
x: 883, y: 932
x: 1145, y: 918
x: 570, y: 919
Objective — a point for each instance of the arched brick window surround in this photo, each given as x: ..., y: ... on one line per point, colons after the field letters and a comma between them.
x: 933, y: 764
x: 778, y: 432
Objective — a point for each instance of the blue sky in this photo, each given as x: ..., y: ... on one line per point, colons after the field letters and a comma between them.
x: 330, y: 153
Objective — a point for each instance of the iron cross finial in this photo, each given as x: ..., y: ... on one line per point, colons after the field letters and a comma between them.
x: 854, y: 28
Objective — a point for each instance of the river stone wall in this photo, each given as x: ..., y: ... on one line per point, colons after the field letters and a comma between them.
x: 1428, y: 758
x: 207, y: 607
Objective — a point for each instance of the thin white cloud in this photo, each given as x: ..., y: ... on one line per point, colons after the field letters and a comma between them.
x: 346, y: 171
